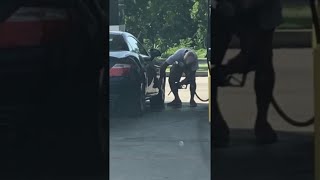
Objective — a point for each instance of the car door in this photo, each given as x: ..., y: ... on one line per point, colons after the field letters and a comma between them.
x: 151, y: 69
x: 147, y: 64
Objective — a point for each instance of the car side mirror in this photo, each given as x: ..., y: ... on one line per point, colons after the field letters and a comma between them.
x: 154, y: 53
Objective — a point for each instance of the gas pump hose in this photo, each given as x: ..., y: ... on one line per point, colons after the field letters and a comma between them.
x: 275, y: 104
x: 185, y: 87
x: 278, y: 109
x: 288, y: 119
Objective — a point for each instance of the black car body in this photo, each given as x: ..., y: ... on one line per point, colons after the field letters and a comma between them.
x: 133, y: 74
x: 50, y: 56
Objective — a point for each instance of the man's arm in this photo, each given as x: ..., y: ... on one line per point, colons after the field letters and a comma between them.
x: 188, y: 78
x: 171, y: 59
x: 185, y: 81
x: 162, y: 74
x: 163, y: 69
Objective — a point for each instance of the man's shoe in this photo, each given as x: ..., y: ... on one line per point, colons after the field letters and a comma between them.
x: 193, y: 104
x: 175, y: 103
x: 264, y: 133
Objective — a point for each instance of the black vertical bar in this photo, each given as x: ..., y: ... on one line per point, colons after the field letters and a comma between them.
x: 315, y: 19
x: 114, y: 18
x: 209, y: 36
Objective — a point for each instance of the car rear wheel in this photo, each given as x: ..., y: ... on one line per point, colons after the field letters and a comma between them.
x: 158, y: 100
x: 136, y: 104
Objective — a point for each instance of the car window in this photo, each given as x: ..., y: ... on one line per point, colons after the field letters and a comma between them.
x: 141, y: 48
x: 138, y: 45
x: 134, y: 44
x: 117, y: 43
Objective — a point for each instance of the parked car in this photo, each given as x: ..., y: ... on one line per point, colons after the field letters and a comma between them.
x: 133, y: 75
x: 50, y: 54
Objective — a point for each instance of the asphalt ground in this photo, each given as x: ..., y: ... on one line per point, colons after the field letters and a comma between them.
x: 175, y: 143
x: 168, y: 144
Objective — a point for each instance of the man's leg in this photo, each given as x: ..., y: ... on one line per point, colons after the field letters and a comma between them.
x: 193, y: 87
x: 259, y: 49
x: 174, y: 79
x: 264, y: 85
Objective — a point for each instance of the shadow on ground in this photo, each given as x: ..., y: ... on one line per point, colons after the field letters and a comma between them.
x: 167, y: 144
x: 185, y: 107
x: 290, y: 158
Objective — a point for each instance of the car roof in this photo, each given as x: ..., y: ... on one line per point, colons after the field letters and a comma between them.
x: 120, y: 33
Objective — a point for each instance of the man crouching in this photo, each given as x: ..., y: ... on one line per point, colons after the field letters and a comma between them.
x: 183, y: 61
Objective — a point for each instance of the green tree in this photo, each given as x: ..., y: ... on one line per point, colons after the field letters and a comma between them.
x: 199, y: 15
x: 163, y: 24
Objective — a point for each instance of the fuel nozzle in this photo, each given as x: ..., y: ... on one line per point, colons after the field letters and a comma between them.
x: 224, y: 79
x: 181, y: 86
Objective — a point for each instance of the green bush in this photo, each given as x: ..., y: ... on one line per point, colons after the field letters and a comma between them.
x: 169, y: 52
x: 200, y: 52
x: 184, y: 43
x: 296, y: 16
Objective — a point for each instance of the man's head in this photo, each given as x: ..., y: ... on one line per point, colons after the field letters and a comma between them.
x: 190, y: 58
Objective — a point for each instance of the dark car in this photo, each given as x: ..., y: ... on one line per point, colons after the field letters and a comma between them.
x: 133, y: 75
x: 50, y: 55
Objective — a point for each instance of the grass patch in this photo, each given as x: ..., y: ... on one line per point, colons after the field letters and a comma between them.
x: 201, y: 60
x: 201, y: 53
x: 202, y: 68
x: 296, y: 16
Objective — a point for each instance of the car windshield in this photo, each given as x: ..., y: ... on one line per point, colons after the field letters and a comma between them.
x: 117, y: 43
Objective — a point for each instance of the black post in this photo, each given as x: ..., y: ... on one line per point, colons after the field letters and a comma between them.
x: 114, y: 18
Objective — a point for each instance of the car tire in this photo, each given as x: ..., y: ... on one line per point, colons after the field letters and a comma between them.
x: 137, y: 103
x: 158, y: 100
